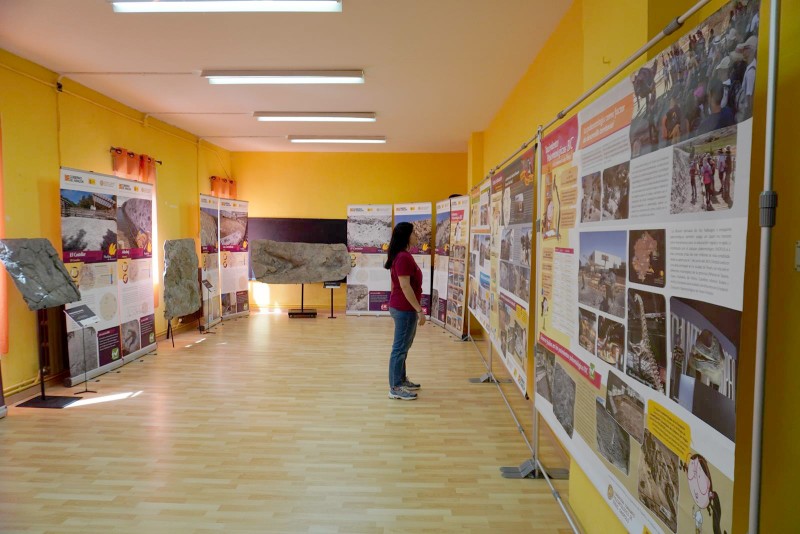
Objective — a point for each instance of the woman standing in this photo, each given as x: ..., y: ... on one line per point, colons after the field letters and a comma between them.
x: 404, y: 307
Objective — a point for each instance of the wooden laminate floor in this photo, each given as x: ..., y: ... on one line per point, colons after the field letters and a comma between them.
x: 276, y: 425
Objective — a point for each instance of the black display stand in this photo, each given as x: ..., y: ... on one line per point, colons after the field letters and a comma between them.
x: 331, y: 286
x: 303, y: 312
x: 83, y: 316
x: 207, y: 328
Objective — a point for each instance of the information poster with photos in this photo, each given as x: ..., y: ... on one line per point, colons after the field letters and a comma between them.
x: 644, y: 206
x: 420, y: 214
x: 89, y: 244
x: 135, y: 268
x: 369, y: 230
x: 457, y: 265
x: 479, y: 264
x: 234, y: 258
x: 209, y: 259
x: 441, y: 263
x: 514, y: 241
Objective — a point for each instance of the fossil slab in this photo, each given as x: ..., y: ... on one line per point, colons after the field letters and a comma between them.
x: 298, y: 263
x: 38, y: 273
x: 181, y: 286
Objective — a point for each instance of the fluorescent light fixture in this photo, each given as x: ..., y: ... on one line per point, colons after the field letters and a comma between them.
x: 297, y: 116
x: 226, y: 6
x: 360, y: 139
x: 223, y: 77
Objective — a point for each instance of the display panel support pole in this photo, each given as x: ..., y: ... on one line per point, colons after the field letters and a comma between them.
x: 85, y: 370
x: 768, y: 204
x: 332, y: 316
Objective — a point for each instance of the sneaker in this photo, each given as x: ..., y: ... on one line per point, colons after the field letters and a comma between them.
x: 401, y: 394
x: 408, y: 384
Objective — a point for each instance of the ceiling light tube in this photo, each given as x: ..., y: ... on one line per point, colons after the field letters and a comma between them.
x: 223, y: 77
x: 355, y: 139
x: 226, y: 6
x: 297, y: 116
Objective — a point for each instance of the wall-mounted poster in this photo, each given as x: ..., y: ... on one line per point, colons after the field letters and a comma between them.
x: 89, y: 242
x: 369, y: 230
x: 644, y: 213
x: 209, y: 260
x: 420, y: 214
x: 234, y: 258
x: 457, y: 265
x: 441, y: 263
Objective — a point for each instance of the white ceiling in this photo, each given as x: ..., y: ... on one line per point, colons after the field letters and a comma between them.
x: 435, y: 70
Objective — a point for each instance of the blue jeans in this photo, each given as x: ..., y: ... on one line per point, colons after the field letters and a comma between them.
x: 405, y: 328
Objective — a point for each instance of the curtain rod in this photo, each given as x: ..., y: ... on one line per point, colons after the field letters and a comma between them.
x: 120, y: 149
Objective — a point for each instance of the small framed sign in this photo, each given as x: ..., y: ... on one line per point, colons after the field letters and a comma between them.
x: 82, y: 315
x: 331, y: 285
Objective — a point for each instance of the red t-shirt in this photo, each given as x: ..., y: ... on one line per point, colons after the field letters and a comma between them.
x: 405, y: 265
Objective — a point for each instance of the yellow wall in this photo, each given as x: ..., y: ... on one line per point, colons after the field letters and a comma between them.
x: 44, y: 129
x: 321, y: 185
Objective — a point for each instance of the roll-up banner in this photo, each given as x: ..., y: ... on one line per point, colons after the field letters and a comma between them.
x: 457, y: 265
x: 369, y: 229
x: 135, y: 268
x: 106, y: 239
x: 441, y: 263
x: 209, y: 260
x: 644, y: 207
x: 234, y: 258
x: 420, y: 214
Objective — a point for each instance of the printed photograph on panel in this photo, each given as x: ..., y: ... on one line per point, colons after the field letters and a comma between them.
x: 647, y: 348
x: 705, y: 356
x: 365, y: 232
x: 587, y: 330
x: 613, y: 442
x: 703, y: 82
x: 602, y: 271
x: 648, y: 257
x: 626, y: 406
x: 545, y: 368
x: 616, y: 191
x: 592, y: 194
x: 564, y: 399
x: 88, y: 222
x: 135, y: 224
x: 658, y: 480
x: 611, y: 342
x: 232, y: 228
x: 704, y: 173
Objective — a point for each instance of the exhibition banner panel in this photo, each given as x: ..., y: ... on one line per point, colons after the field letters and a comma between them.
x: 441, y: 263
x: 89, y: 244
x: 234, y: 257
x: 644, y: 206
x: 457, y: 265
x: 512, y: 242
x: 135, y: 268
x: 420, y: 214
x: 479, y: 264
x: 369, y: 230
x: 209, y: 259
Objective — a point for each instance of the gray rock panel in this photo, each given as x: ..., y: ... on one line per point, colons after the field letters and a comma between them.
x: 298, y: 263
x: 38, y: 273
x: 181, y: 287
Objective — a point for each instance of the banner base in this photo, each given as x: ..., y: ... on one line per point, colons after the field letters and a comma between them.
x: 489, y: 378
x: 3, y: 411
x: 303, y: 314
x: 49, y: 402
x: 527, y: 469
